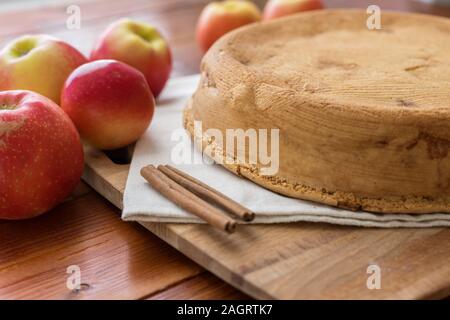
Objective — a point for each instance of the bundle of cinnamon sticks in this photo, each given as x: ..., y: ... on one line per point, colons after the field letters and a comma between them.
x: 196, y: 197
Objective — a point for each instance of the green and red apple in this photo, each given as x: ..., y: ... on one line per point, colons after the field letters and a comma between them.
x: 279, y: 8
x: 219, y: 18
x: 110, y: 103
x: 41, y: 157
x: 38, y: 63
x: 139, y: 45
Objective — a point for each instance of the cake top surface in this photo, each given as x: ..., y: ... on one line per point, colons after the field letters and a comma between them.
x: 333, y: 55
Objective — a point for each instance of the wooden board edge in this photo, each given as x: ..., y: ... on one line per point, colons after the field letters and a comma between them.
x: 166, y: 233
x: 113, y: 192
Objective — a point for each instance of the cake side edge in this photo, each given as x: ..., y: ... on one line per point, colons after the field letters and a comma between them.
x: 340, y: 199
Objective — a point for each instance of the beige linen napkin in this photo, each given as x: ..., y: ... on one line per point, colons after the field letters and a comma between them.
x: 160, y: 145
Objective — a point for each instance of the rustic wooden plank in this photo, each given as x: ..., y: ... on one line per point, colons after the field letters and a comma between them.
x: 118, y: 260
x: 202, y: 287
x: 317, y: 261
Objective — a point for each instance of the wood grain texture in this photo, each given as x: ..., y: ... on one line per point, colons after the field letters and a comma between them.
x: 314, y: 261
x: 202, y: 287
x: 117, y: 260
x: 305, y: 260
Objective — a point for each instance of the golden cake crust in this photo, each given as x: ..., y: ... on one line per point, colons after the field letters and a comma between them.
x: 364, y: 115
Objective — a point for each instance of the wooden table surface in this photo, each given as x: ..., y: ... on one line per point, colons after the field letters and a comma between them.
x: 117, y: 260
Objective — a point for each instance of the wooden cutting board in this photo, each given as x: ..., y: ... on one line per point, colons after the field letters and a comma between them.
x: 301, y: 260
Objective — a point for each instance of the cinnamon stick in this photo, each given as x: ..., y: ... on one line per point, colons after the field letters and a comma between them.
x: 202, y: 189
x: 187, y: 200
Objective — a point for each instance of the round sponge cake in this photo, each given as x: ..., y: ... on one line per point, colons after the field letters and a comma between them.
x: 363, y: 115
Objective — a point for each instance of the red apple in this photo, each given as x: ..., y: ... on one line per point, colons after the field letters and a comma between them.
x: 38, y: 63
x: 41, y: 157
x: 141, y: 46
x: 278, y: 8
x: 219, y: 18
x: 109, y: 102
